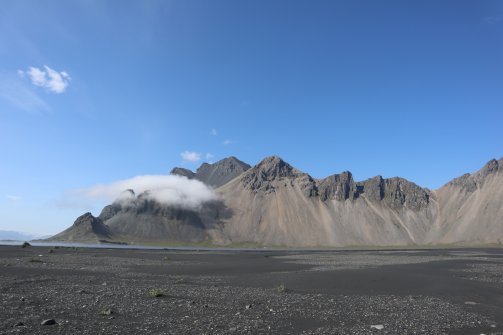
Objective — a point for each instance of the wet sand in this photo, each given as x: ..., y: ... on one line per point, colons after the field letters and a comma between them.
x: 108, y: 291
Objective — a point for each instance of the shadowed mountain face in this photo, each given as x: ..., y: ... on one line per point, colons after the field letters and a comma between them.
x: 143, y: 219
x: 274, y: 203
x: 86, y: 228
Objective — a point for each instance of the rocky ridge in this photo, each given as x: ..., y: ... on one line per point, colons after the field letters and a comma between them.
x: 216, y: 174
x: 86, y: 228
x: 395, y: 192
x: 274, y: 203
x: 470, y: 182
x: 273, y: 172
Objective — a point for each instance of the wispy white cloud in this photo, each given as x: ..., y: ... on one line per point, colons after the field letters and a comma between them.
x: 209, y: 156
x: 54, y: 81
x: 213, y: 132
x: 13, y: 197
x: 492, y: 20
x: 190, y: 156
x: 16, y: 94
x: 168, y: 190
x: 226, y: 142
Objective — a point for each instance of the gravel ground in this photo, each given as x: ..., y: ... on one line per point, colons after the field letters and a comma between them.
x: 373, y: 259
x: 90, y: 291
x: 359, y: 260
x: 487, y: 272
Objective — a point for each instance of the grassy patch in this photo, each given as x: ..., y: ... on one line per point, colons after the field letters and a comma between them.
x: 156, y: 293
x: 107, y: 312
x: 281, y: 288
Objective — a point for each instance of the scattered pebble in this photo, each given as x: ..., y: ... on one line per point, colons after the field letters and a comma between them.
x: 48, y: 322
x: 107, y: 311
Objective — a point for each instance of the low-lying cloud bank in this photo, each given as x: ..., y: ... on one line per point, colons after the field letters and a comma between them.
x: 168, y: 190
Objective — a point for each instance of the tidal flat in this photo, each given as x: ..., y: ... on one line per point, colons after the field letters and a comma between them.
x: 134, y: 291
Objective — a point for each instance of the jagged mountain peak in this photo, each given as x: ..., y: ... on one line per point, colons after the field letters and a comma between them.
x: 400, y: 192
x: 215, y: 174
x: 274, y: 167
x: 470, y: 182
x: 490, y: 167
x: 91, y: 224
x: 182, y: 172
x: 337, y: 176
x: 394, y: 192
x: 86, y: 228
x: 221, y: 172
x: 231, y: 163
x: 86, y: 218
x: 337, y: 186
x: 273, y: 172
x: 129, y: 192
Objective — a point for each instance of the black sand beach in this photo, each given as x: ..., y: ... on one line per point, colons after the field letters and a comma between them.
x: 110, y: 291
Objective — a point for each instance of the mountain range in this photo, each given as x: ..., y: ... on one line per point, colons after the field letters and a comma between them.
x: 7, y: 235
x: 273, y: 203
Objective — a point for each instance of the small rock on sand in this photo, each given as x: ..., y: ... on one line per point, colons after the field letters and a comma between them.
x: 48, y: 322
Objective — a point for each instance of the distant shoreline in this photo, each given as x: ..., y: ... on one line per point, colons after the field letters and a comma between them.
x: 188, y: 247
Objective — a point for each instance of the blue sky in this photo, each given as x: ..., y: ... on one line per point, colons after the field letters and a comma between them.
x: 96, y: 91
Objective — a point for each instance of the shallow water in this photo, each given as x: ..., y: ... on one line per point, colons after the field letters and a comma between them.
x: 125, y: 246
x: 83, y: 245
